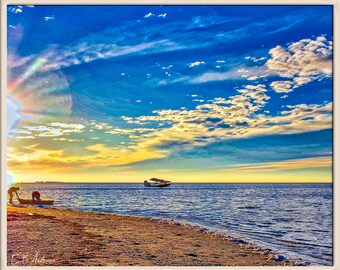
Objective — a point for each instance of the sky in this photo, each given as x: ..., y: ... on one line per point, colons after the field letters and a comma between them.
x: 184, y: 93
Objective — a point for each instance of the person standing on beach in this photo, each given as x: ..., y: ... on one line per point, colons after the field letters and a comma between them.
x: 36, y: 196
x: 10, y: 193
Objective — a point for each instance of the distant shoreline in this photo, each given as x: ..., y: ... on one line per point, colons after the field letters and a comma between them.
x: 173, y: 183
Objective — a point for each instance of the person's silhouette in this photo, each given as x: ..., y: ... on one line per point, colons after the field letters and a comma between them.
x: 10, y: 193
x: 36, y: 196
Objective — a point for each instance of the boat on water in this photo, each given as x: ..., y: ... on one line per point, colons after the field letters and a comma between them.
x: 155, y: 182
x: 29, y: 201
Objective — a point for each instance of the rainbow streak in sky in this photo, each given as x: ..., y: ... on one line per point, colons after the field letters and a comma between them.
x: 34, y: 96
x: 35, y: 66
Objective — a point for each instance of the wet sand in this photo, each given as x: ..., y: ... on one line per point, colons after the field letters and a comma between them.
x: 57, y: 237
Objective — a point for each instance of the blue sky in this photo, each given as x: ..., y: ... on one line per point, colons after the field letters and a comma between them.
x: 191, y: 93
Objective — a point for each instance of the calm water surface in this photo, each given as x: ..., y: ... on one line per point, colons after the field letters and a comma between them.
x: 293, y: 219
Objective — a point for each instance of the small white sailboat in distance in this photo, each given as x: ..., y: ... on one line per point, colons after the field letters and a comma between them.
x: 157, y: 183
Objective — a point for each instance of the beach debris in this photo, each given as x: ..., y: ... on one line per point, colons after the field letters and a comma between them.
x: 239, y: 241
x: 249, y: 246
x: 280, y: 258
x: 301, y: 263
x: 191, y: 254
x: 265, y: 252
x: 276, y: 257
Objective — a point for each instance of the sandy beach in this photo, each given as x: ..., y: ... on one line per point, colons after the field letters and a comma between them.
x: 55, y: 237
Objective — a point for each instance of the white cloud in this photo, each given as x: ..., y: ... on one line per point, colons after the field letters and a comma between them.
x: 149, y: 15
x: 67, y: 139
x: 220, y: 61
x: 49, y: 18
x: 15, y: 9
x: 132, y: 131
x: 197, y: 63
x: 304, y: 61
x: 25, y: 137
x: 21, y: 131
x: 167, y: 67
x: 54, y: 129
x: 199, y: 100
x: 303, y: 80
x: 238, y: 116
x: 68, y: 126
x: 162, y: 15
x: 282, y: 86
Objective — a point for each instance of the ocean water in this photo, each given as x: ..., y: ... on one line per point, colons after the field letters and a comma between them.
x: 295, y: 220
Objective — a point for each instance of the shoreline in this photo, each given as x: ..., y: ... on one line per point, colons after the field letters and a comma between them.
x: 62, y: 237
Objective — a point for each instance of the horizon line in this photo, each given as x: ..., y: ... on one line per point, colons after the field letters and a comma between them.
x: 266, y: 182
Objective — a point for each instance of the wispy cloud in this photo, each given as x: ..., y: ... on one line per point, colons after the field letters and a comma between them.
x: 86, y: 53
x: 254, y: 59
x: 54, y: 129
x: 49, y: 18
x: 293, y: 164
x: 106, y: 44
x: 239, y: 73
